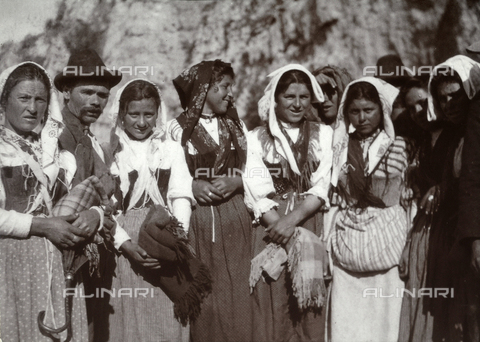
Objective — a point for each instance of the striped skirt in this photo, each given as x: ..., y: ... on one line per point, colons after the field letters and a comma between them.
x: 140, y: 311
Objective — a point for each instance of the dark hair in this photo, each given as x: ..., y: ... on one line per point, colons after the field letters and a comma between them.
x: 411, y: 83
x: 25, y: 72
x: 137, y: 91
x: 361, y: 90
x: 221, y: 69
x: 446, y: 77
x: 290, y: 77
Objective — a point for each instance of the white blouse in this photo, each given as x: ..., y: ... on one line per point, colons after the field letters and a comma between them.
x: 167, y: 155
x: 259, y: 183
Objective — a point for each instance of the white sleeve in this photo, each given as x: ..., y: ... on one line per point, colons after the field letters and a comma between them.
x: 182, y: 210
x: 257, y: 181
x: 15, y: 224
x: 174, y: 130
x: 180, y: 182
x: 320, y: 179
x: 120, y: 236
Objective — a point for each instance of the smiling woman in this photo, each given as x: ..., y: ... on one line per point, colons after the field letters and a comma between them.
x: 148, y: 172
x: 139, y: 105
x: 297, y: 153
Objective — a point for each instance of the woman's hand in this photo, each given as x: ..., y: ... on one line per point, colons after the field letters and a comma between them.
x: 406, y: 197
x: 88, y: 221
x: 282, y: 230
x: 431, y: 200
x: 58, y: 230
x: 337, y: 200
x: 205, y: 192
x: 404, y: 261
x: 138, y: 255
x: 228, y: 185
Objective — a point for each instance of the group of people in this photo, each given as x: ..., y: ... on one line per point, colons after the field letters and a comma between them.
x: 335, y: 220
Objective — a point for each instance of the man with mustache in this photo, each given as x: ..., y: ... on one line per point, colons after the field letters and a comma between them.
x: 85, y: 84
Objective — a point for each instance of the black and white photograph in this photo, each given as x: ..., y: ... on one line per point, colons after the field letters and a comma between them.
x: 240, y: 171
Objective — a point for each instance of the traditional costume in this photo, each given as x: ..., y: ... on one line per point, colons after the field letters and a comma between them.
x: 148, y: 172
x: 368, y: 236
x: 221, y: 232
x: 298, y: 161
x: 31, y: 270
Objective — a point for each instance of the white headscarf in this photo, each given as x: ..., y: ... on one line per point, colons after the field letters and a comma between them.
x: 266, y: 110
x: 469, y: 72
x: 51, y: 129
x: 377, y: 149
x: 126, y: 160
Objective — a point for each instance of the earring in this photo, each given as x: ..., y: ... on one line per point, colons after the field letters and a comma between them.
x: 215, y: 89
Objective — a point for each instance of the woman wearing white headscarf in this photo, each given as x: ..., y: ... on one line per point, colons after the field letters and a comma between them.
x: 296, y: 154
x: 370, y: 229
x: 31, y: 271
x: 452, y: 85
x: 150, y: 171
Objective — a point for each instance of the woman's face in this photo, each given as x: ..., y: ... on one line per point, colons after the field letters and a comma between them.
x: 416, y: 105
x: 365, y: 116
x: 219, y: 96
x: 26, y: 106
x: 293, y: 104
x: 140, y: 118
x: 453, y: 101
x: 330, y: 106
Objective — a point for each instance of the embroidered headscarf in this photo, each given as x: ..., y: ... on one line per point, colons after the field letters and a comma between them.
x: 126, y: 155
x: 50, y: 130
x: 469, y: 72
x: 387, y: 94
x: 266, y: 111
x: 192, y: 86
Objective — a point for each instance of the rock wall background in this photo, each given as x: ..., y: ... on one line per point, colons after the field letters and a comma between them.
x: 256, y: 36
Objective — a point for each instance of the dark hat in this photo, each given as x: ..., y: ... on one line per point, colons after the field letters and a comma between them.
x: 390, y: 68
x: 86, y: 65
x: 474, y: 48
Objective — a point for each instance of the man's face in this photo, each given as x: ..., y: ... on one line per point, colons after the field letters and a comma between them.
x: 87, y: 101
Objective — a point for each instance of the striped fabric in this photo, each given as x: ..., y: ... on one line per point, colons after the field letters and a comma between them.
x: 396, y: 161
x: 371, y: 240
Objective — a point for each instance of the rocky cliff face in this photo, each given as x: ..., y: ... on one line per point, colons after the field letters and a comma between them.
x: 256, y: 36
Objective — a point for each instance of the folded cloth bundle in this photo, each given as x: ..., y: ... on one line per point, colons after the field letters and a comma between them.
x: 305, y: 266
x: 183, y: 278
x: 82, y: 197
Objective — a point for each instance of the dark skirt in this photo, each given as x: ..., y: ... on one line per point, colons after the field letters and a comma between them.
x: 276, y: 313
x: 425, y: 317
x: 226, y: 314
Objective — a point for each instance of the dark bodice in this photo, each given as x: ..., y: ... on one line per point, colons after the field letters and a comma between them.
x: 20, y: 185
x: 163, y: 178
